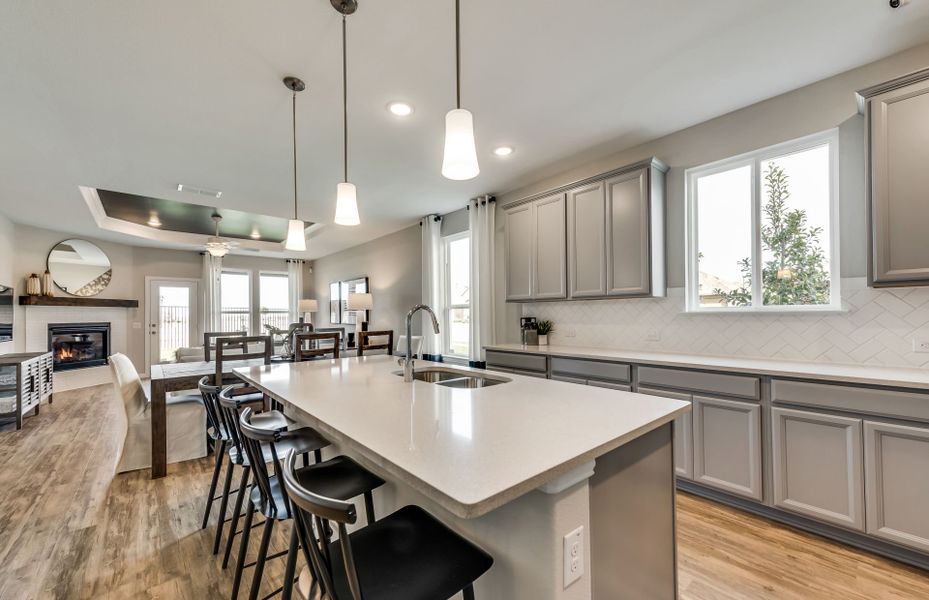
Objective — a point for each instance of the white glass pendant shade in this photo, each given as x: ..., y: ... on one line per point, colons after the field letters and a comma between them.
x: 346, y: 205
x: 460, y: 161
x: 296, y: 236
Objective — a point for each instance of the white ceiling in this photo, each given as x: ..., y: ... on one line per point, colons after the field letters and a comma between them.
x: 140, y: 96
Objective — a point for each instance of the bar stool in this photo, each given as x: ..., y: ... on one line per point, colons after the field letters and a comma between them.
x: 303, y: 440
x: 408, y: 555
x: 339, y: 477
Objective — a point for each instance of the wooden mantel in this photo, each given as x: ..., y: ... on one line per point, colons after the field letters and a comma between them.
x: 77, y: 301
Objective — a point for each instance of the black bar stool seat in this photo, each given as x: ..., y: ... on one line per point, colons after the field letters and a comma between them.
x: 339, y: 477
x: 409, y: 555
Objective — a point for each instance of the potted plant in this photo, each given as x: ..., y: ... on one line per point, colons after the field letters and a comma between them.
x: 544, y: 328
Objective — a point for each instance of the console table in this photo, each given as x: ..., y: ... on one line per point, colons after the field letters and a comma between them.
x: 25, y: 380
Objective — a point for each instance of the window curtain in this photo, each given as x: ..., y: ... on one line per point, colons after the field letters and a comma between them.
x: 481, y: 224
x: 212, y: 270
x: 433, y: 269
x: 294, y: 288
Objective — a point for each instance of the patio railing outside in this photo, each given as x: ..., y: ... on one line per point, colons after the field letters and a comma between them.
x: 175, y: 325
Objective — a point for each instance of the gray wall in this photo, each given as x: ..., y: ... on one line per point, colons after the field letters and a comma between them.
x: 823, y: 105
x: 6, y: 268
x: 393, y: 265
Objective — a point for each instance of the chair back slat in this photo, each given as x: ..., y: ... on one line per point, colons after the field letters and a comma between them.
x: 229, y: 407
x: 306, y: 345
x: 255, y: 440
x: 210, y: 394
x: 225, y: 345
x: 367, y: 344
x: 209, y: 345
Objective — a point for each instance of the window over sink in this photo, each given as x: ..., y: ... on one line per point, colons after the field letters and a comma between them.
x: 457, y: 332
x: 762, y: 230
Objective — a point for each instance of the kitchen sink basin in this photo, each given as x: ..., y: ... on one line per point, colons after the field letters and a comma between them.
x: 454, y: 378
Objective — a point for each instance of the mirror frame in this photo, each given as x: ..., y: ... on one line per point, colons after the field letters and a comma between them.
x: 48, y: 266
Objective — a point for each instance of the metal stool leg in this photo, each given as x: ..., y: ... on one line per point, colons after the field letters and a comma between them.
x: 291, y: 568
x: 262, y: 557
x: 243, y: 549
x: 240, y: 496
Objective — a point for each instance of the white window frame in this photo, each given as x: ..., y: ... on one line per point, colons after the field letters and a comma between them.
x: 754, y: 159
x: 447, y: 284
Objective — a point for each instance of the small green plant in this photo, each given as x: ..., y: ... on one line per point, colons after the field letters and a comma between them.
x: 545, y: 327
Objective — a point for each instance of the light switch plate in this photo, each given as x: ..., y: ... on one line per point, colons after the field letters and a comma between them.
x: 573, y: 556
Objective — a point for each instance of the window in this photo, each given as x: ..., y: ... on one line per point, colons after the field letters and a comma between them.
x: 458, y: 294
x: 235, y: 301
x: 273, y: 300
x: 762, y: 230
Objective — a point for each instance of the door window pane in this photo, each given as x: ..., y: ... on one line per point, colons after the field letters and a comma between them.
x: 174, y: 321
x: 235, y: 300
x: 724, y: 237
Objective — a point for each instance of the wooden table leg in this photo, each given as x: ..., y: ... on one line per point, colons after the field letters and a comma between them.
x: 159, y: 429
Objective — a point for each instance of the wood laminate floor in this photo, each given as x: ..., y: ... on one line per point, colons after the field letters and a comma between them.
x: 69, y: 529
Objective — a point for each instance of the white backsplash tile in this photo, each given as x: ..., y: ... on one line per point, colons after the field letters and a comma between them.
x: 876, y: 327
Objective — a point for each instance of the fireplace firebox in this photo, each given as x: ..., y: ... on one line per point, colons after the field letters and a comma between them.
x: 79, y: 345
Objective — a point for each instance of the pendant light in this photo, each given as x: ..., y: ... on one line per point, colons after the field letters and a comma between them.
x: 346, y: 203
x: 296, y: 229
x: 460, y: 160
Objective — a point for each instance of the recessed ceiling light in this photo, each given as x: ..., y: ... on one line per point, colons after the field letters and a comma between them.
x: 400, y: 109
x: 503, y: 150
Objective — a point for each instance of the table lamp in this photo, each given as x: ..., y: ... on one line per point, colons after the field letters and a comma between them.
x: 360, y: 303
x: 306, y: 306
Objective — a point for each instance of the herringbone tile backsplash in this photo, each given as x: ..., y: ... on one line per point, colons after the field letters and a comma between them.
x: 876, y: 327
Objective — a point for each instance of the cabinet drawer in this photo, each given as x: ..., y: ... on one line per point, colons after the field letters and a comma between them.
x: 906, y: 405
x: 699, y: 381
x: 565, y: 379
x: 590, y: 369
x: 513, y: 360
x: 623, y: 387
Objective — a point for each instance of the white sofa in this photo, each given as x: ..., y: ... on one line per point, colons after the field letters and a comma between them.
x: 186, y: 421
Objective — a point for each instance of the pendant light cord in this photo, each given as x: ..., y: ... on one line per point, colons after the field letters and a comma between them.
x: 457, y: 53
x: 344, y: 104
x: 295, y: 151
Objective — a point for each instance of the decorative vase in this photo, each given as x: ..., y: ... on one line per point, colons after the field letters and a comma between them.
x: 543, y: 339
x: 33, y: 285
x: 47, y: 286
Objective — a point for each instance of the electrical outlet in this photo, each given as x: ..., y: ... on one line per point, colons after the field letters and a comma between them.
x: 921, y: 345
x: 569, y: 333
x: 573, y: 556
x: 652, y: 335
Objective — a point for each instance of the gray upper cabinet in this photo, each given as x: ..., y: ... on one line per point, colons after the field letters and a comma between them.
x: 549, y: 267
x: 587, y: 241
x: 518, y: 240
x: 817, y: 466
x: 597, y: 238
x: 727, y: 445
x: 897, y: 114
x: 897, y: 484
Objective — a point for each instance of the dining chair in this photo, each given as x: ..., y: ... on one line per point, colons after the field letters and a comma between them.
x: 307, y: 346
x: 369, y: 341
x: 407, y: 555
x: 209, y: 341
x: 227, y: 351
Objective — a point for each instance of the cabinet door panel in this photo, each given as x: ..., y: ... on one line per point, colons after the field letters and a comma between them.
x: 899, y: 122
x: 817, y: 466
x: 550, y: 256
x: 628, y: 234
x: 519, y: 243
x: 683, y: 433
x: 897, y: 484
x: 727, y: 445
x: 587, y: 241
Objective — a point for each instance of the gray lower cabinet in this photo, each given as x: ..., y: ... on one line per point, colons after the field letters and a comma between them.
x: 518, y: 243
x: 897, y: 114
x: 727, y: 445
x: 683, y: 433
x: 817, y: 468
x: 897, y: 483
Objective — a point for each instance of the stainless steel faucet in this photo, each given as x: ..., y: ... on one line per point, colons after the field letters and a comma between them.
x: 407, y: 361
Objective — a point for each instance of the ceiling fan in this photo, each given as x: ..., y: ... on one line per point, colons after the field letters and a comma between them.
x: 218, y: 246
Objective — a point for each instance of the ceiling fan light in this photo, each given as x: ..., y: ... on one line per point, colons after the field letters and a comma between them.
x: 346, y: 205
x: 296, y: 236
x: 217, y: 247
x: 460, y: 161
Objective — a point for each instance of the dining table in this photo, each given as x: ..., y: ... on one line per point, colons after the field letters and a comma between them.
x: 176, y: 377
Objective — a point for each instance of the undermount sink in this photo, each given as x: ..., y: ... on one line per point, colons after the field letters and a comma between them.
x: 454, y: 378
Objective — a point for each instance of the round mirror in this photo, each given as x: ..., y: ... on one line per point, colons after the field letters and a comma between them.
x: 79, y: 268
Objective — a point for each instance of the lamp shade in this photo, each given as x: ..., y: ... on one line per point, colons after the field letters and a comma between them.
x: 308, y: 305
x: 460, y: 160
x: 360, y: 302
x: 346, y: 205
x: 296, y: 236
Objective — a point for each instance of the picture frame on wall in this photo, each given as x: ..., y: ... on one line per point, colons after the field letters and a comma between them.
x: 356, y: 285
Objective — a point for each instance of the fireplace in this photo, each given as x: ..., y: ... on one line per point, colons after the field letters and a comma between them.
x: 79, y: 345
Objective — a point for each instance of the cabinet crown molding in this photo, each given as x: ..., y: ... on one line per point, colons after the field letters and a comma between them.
x: 862, y: 96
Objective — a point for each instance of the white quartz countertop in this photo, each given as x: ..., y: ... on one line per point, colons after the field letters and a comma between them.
x: 469, y: 450
x: 861, y: 374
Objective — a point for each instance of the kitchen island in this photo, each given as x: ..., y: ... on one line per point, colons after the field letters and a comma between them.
x: 515, y: 466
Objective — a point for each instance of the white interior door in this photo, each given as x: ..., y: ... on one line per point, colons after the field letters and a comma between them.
x: 173, y: 315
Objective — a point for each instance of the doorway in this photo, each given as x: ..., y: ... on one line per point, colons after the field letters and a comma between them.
x: 173, y: 315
